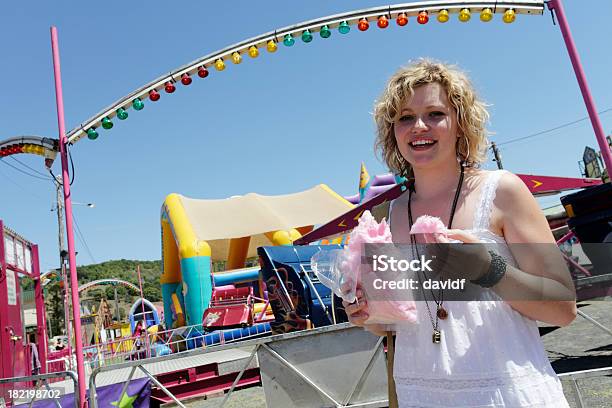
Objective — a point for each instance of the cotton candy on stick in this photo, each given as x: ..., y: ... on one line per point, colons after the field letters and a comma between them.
x: 381, y: 308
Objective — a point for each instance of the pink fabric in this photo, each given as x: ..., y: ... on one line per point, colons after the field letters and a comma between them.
x: 381, y: 309
x: 426, y: 224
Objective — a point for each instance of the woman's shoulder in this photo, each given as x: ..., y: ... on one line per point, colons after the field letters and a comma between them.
x: 502, y: 181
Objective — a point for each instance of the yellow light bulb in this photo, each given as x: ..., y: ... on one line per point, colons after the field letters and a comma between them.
x: 443, y: 16
x: 465, y: 15
x: 271, y: 46
x: 253, y: 51
x: 486, y: 15
x: 236, y: 58
x: 219, y: 65
x: 509, y: 16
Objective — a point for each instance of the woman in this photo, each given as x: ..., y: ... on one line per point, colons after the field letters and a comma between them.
x: 479, y: 353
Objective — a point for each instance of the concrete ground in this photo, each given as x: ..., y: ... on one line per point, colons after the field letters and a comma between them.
x: 579, y: 346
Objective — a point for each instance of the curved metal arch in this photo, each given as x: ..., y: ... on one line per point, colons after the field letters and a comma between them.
x: 45, y: 142
x: 100, y: 282
x: 535, y: 7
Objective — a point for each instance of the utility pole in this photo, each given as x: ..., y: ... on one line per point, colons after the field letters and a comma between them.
x: 497, y: 156
x: 60, y: 235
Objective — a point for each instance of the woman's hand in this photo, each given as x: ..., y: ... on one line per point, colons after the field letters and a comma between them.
x: 357, y: 311
x: 468, y: 258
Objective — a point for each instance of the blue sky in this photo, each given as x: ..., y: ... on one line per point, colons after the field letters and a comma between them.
x: 277, y: 124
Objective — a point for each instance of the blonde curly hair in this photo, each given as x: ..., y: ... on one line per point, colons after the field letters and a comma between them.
x: 472, y: 113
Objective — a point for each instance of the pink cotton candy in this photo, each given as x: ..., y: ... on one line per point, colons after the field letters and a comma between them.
x: 426, y: 224
x: 391, y: 311
x: 381, y: 309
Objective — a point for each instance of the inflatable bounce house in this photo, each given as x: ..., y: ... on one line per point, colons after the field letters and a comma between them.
x: 197, y: 232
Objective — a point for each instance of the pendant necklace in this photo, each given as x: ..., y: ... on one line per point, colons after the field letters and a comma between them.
x: 441, y: 313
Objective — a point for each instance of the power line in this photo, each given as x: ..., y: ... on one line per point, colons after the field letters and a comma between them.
x: 82, y: 238
x: 552, y: 129
x: 25, y: 165
x: 20, y: 186
x: 24, y: 172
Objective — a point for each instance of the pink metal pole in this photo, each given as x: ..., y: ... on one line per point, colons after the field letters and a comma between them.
x: 74, y: 283
x: 144, y: 315
x: 557, y: 6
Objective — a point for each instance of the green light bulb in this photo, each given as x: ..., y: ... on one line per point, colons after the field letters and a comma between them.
x: 107, y: 123
x: 306, y: 36
x: 325, y: 33
x: 137, y: 104
x: 344, y: 27
x: 92, y: 134
x: 288, y: 40
x: 122, y: 114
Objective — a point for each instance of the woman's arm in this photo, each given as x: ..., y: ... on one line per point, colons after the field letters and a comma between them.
x: 542, y: 272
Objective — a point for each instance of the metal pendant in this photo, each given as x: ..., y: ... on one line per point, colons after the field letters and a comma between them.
x: 442, y: 313
x: 436, y: 337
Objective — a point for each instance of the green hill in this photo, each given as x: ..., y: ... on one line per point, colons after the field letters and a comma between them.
x: 124, y: 269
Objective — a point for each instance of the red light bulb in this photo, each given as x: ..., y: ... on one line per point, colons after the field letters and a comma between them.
x: 154, y: 95
x: 169, y: 87
x: 423, y: 18
x: 382, y: 22
x: 185, y: 79
x: 363, y: 24
x: 202, y: 72
x: 402, y: 19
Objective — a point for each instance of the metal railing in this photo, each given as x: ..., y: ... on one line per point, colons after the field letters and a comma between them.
x: 149, y: 367
x: 175, y: 341
x: 187, y: 355
x: 580, y: 375
x: 41, y: 380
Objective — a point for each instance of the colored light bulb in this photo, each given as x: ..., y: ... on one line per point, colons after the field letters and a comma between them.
x: 185, y: 79
x: 509, y: 16
x: 236, y: 57
x: 288, y: 40
x: 154, y: 95
x: 307, y: 36
x: 219, y: 65
x: 363, y: 24
x: 202, y: 72
x: 344, y: 27
x: 169, y: 87
x: 464, y: 15
x: 443, y: 16
x: 253, y: 51
x: 423, y: 17
x: 107, y: 123
x: 382, y: 22
x: 137, y: 104
x: 122, y: 114
x: 92, y: 134
x: 486, y: 15
x: 402, y: 19
x: 271, y: 46
x: 325, y: 32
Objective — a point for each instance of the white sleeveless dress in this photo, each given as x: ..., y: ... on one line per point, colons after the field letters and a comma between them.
x: 490, y: 355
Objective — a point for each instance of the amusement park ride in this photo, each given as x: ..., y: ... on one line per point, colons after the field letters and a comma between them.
x: 203, y: 308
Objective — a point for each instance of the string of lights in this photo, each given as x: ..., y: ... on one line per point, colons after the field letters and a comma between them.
x: 422, y: 12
